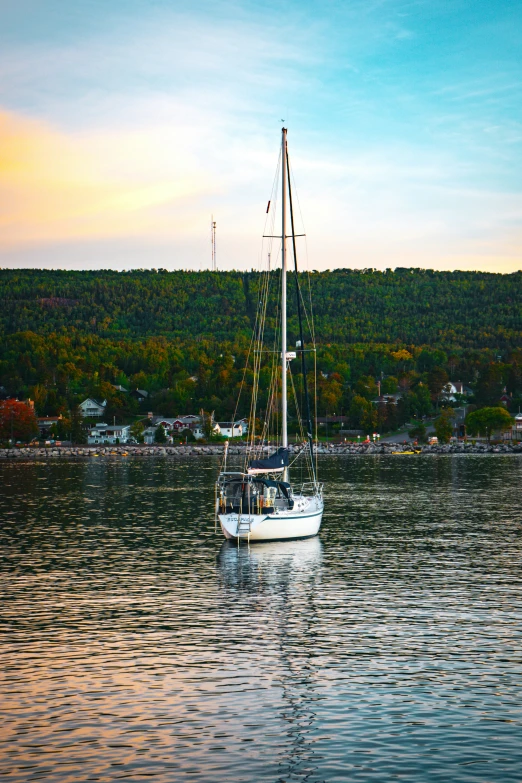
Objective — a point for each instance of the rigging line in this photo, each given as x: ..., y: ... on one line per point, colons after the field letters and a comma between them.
x: 258, y: 359
x: 273, y: 385
x: 270, y: 216
x: 274, y: 380
x: 263, y: 298
x: 252, y: 340
x: 300, y: 422
x: 315, y: 405
x: 258, y: 335
x: 309, y: 320
x: 299, y: 316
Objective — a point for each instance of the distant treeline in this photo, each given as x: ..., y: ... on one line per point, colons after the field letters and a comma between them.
x: 451, y: 310
x: 184, y: 336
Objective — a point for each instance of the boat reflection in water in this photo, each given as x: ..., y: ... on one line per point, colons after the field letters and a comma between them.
x: 269, y: 593
x: 270, y: 565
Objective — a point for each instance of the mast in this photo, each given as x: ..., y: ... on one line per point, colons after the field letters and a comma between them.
x: 301, y: 343
x: 284, y: 413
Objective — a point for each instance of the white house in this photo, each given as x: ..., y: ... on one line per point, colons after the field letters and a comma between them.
x: 243, y: 423
x: 149, y: 435
x: 230, y: 429
x: 92, y: 408
x: 515, y: 433
x: 451, y: 389
x: 199, y: 432
x: 108, y: 433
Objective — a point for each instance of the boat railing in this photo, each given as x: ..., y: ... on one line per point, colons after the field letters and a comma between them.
x: 312, y: 487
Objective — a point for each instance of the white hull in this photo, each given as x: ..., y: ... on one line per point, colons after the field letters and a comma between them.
x: 301, y: 522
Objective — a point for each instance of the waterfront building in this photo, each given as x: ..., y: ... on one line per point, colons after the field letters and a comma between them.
x: 108, y: 433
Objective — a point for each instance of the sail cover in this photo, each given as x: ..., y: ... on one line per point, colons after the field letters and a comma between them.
x: 276, y: 462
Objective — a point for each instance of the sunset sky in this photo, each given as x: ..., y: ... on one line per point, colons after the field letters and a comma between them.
x: 124, y: 125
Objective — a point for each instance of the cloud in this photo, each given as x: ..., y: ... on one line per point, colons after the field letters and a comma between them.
x: 58, y: 186
x: 117, y: 145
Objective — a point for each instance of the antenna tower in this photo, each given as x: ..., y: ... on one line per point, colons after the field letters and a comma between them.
x: 213, y: 242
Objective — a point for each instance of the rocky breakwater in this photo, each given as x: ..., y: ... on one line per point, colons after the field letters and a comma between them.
x: 194, y: 450
x: 401, y: 448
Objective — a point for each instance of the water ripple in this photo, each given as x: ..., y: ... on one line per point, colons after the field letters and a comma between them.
x: 136, y: 645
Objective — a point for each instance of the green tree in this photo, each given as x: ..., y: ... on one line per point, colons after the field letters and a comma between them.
x: 486, y: 421
x: 159, y: 435
x: 389, y: 385
x: 137, y: 430
x: 490, y: 385
x: 444, y: 426
x: 78, y: 434
x: 419, y: 432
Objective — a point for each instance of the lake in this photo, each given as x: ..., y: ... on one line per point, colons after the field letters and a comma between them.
x: 136, y: 644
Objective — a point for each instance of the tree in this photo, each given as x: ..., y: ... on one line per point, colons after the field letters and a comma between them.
x: 77, y: 428
x: 159, y: 435
x: 437, y: 379
x: 389, y: 385
x: 486, y: 420
x: 419, y: 433
x: 136, y: 431
x: 17, y: 421
x: 444, y: 426
x: 207, y: 421
x: 490, y: 385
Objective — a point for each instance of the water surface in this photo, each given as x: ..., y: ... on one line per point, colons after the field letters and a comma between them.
x: 136, y: 645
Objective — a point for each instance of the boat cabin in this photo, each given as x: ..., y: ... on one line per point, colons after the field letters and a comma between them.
x: 240, y: 493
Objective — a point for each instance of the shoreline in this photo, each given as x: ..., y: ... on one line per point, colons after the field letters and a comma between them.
x: 193, y: 450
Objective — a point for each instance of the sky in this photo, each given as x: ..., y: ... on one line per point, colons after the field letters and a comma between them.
x: 125, y: 125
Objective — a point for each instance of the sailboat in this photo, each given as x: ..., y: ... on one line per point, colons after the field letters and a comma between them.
x: 259, y: 502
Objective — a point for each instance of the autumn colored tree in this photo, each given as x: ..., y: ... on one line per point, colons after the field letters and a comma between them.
x: 17, y: 421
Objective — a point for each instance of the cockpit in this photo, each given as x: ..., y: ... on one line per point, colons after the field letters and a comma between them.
x: 243, y: 494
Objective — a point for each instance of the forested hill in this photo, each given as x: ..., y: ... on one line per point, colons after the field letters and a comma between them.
x: 408, y: 306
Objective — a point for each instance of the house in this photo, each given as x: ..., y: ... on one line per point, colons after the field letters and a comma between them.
x: 120, y: 388
x: 230, y: 429
x: 108, y: 433
x: 149, y: 435
x: 323, y: 420
x: 451, y: 389
x: 384, y: 399
x: 515, y: 433
x: 243, y: 423
x: 140, y: 394
x: 176, y: 424
x: 92, y: 408
x: 46, y: 422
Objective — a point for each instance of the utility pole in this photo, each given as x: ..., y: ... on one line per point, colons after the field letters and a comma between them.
x: 213, y: 242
